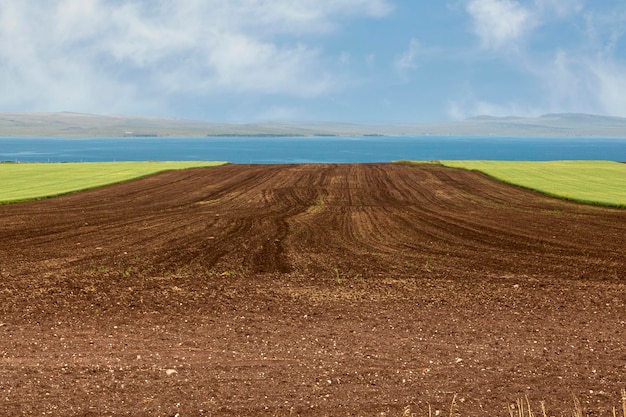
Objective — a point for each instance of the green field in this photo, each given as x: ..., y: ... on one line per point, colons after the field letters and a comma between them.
x: 594, y: 182
x: 22, y: 182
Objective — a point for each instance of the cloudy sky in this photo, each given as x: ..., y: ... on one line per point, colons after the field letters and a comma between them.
x: 369, y: 61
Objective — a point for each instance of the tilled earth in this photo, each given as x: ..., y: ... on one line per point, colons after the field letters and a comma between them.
x: 310, y: 290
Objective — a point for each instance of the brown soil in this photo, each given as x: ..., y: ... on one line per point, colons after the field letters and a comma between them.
x: 310, y: 290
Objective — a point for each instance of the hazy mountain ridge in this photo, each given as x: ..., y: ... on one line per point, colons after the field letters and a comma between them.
x: 67, y: 124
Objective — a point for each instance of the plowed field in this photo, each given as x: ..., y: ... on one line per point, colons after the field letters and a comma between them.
x: 310, y: 290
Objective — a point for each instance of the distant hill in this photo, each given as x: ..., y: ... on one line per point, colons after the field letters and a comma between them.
x: 563, y: 124
x: 88, y: 125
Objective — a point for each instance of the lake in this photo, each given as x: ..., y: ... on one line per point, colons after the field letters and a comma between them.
x: 261, y: 150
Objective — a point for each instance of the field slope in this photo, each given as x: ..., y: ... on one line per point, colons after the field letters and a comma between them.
x: 21, y: 182
x: 310, y: 290
x: 595, y: 182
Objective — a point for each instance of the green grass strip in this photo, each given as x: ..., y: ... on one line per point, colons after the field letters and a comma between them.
x: 31, y: 181
x: 593, y: 182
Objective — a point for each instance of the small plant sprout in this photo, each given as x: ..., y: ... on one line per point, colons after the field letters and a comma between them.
x: 337, y: 276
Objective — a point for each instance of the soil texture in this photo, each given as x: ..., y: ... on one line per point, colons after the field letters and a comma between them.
x: 312, y: 290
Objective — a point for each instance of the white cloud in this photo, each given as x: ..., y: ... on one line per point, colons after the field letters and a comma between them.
x: 570, y: 82
x: 610, y: 85
x: 408, y: 59
x: 500, y: 24
x: 563, y: 81
x: 566, y: 83
x: 584, y: 83
x: 589, y: 76
x: 505, y: 24
x: 131, y: 55
x: 412, y: 57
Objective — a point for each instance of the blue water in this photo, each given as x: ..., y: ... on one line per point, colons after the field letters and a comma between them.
x: 315, y: 149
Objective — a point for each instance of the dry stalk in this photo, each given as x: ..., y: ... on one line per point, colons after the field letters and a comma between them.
x: 524, y: 408
x: 530, y: 413
x: 578, y: 409
x: 452, y: 406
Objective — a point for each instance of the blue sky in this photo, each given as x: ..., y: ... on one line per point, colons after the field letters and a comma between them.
x: 364, y: 61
